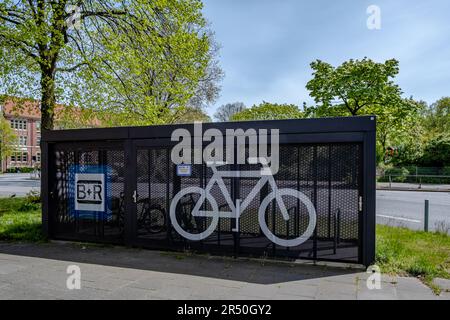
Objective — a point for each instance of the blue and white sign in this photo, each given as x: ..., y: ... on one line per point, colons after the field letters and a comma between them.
x: 90, y: 191
x: 184, y: 170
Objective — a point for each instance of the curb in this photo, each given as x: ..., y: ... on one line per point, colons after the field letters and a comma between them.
x: 410, y: 189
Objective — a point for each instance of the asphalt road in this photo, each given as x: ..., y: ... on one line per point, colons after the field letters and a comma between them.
x: 406, y: 208
x: 17, y: 183
x: 399, y: 208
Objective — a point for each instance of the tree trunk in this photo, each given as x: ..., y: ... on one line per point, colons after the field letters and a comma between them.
x: 383, y: 144
x: 47, y: 99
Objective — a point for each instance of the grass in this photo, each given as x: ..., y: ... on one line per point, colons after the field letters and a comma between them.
x: 413, y: 253
x: 20, y: 220
x: 399, y: 251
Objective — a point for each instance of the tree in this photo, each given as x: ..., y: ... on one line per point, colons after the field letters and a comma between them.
x: 354, y: 85
x: 437, y: 152
x: 437, y: 117
x: 138, y: 57
x: 208, y: 88
x: 408, y: 134
x: 364, y: 87
x: 269, y: 111
x: 225, y: 112
x: 191, y: 115
x: 7, y: 139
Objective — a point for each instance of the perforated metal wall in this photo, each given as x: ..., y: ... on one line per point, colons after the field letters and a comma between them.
x: 142, y: 181
x: 67, y: 223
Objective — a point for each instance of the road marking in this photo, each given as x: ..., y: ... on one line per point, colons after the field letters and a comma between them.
x: 398, y: 218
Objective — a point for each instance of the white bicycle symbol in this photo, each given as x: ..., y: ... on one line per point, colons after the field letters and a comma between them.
x: 265, y: 176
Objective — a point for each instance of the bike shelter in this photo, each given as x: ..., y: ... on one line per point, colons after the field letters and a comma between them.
x: 330, y: 162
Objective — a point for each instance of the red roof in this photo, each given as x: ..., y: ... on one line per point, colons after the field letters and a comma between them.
x: 30, y: 109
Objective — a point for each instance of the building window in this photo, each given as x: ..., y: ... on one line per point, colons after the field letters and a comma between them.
x: 19, y: 157
x: 18, y: 124
x: 38, y: 157
x: 22, y: 141
x: 38, y: 140
x: 38, y: 126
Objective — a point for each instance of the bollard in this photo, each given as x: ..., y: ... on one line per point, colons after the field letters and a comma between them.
x: 427, y: 211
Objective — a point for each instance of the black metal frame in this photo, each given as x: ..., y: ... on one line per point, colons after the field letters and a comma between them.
x: 304, y: 131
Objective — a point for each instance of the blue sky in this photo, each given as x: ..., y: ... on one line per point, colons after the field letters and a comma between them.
x: 267, y: 45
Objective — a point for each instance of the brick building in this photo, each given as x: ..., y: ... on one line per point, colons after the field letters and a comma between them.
x: 24, y: 117
x: 25, y: 121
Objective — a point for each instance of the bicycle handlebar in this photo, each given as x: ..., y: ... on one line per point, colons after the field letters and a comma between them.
x: 254, y: 160
x: 261, y: 160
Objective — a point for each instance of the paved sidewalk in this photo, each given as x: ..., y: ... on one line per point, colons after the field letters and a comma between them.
x: 29, y: 271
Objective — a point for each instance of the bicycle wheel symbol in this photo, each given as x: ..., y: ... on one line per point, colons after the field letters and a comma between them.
x: 311, y: 212
x: 201, y: 199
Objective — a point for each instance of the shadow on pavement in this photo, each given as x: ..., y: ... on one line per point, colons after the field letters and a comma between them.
x: 251, y: 271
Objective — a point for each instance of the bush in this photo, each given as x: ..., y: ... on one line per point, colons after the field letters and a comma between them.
x: 437, y: 152
x: 20, y: 170
x: 33, y: 197
x: 31, y: 202
x: 397, y: 175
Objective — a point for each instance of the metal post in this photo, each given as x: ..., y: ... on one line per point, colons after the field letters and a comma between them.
x: 335, y: 231
x: 427, y: 210
x: 417, y: 173
x: 338, y: 239
x: 390, y: 182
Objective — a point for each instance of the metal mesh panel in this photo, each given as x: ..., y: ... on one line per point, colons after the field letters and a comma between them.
x: 64, y: 222
x: 68, y: 223
x: 152, y: 191
x: 327, y: 174
x: 223, y: 235
x: 114, y: 222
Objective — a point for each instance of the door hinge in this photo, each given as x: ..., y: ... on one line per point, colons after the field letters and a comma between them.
x: 135, y: 196
x: 360, y: 204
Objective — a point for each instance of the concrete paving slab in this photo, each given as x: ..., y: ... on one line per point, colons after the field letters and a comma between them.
x: 444, y: 296
x: 443, y: 284
x: 413, y: 289
x: 31, y: 271
x: 297, y: 288
x: 387, y: 291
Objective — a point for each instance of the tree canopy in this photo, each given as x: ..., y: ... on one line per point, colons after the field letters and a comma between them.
x: 438, y: 117
x: 7, y: 138
x: 269, y: 111
x: 225, y: 112
x: 365, y: 87
x: 355, y: 85
x: 142, y: 60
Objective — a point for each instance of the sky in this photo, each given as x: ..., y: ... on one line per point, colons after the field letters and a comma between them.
x: 268, y: 45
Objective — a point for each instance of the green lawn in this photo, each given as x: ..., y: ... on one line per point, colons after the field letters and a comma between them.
x: 399, y: 251
x: 20, y: 220
x: 413, y: 253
